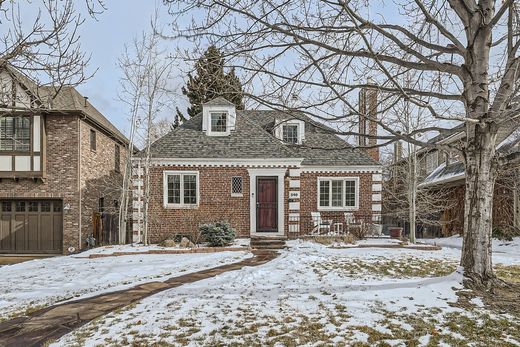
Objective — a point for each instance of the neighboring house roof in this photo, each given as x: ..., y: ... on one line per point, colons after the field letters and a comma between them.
x: 444, y: 174
x: 455, y: 171
x: 219, y: 101
x: 65, y: 99
x: 252, y: 138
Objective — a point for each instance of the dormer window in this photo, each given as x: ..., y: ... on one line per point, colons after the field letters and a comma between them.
x: 218, y: 117
x: 290, y: 133
x: 218, y: 122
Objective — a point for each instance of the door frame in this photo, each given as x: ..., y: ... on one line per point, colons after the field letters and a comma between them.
x: 275, y: 179
x: 279, y: 173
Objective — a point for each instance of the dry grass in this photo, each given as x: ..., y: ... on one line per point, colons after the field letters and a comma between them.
x: 330, y: 240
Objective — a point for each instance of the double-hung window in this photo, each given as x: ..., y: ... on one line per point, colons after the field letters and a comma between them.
x: 181, y: 188
x: 290, y: 133
x: 338, y: 193
x: 15, y: 133
x: 218, y: 122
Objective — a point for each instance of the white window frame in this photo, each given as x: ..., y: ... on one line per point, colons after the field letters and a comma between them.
x: 338, y: 208
x: 242, y: 187
x: 297, y: 133
x: 165, y: 189
x: 218, y: 133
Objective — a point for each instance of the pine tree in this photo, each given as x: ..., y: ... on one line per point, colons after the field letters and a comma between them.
x: 178, y: 120
x: 211, y: 81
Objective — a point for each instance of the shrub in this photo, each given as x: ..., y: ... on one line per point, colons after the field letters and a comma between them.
x: 505, y: 233
x: 218, y: 234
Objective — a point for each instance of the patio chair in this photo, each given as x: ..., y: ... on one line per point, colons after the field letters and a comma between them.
x: 352, y: 223
x: 320, y: 224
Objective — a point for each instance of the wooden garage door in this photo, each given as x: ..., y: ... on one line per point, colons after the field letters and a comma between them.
x: 31, y: 226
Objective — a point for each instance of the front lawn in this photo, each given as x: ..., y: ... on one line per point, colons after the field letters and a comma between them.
x: 34, y: 284
x: 314, y: 295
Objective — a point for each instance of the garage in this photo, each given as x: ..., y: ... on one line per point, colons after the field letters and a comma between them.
x: 31, y: 226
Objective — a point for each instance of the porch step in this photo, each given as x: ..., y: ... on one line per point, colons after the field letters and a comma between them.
x: 268, y: 243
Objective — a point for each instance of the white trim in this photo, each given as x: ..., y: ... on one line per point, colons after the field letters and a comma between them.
x: 210, y: 132
x: 294, y: 206
x: 376, y: 207
x: 182, y: 205
x: 377, y: 177
x: 257, y: 162
x: 344, y: 169
x: 295, y: 172
x: 376, y: 197
x: 338, y: 208
x: 294, y: 183
x: 253, y: 174
x: 377, y: 187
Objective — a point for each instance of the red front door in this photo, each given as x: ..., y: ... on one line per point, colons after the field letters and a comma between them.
x: 266, y: 204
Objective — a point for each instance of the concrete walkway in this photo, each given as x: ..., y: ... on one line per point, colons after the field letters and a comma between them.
x: 53, y: 322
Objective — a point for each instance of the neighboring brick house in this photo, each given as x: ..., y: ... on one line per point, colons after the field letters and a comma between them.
x: 60, y: 161
x: 262, y: 171
x: 449, y: 175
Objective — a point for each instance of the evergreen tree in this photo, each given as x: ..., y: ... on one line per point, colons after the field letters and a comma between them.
x: 211, y: 81
x: 178, y: 120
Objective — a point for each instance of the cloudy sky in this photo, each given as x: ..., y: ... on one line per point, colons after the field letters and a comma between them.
x: 104, y: 39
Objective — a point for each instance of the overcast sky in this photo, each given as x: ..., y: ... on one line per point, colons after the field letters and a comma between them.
x: 105, y: 39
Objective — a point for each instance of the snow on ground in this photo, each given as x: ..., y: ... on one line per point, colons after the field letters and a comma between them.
x: 504, y: 252
x: 311, y: 295
x: 139, y: 248
x: 35, y: 283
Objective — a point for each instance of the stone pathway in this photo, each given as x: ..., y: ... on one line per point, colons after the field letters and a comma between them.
x: 55, y: 321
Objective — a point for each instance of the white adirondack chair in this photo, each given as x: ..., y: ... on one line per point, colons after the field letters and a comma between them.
x: 320, y: 224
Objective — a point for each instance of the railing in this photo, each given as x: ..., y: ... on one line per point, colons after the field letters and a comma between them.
x: 334, y: 224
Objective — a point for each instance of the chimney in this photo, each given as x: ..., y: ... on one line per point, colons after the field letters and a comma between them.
x: 368, y: 108
x: 398, y: 151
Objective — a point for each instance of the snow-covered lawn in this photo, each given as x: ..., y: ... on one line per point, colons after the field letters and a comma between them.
x: 313, y: 295
x: 33, y: 284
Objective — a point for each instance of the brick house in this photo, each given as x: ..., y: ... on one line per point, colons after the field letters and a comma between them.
x: 447, y: 172
x: 262, y: 171
x: 60, y: 161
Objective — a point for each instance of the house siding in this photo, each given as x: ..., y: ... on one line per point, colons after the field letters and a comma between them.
x: 309, y: 197
x: 215, y: 202
x: 98, y: 176
x: 61, y: 180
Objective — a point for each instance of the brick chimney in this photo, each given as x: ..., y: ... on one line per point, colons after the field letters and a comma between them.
x: 368, y: 108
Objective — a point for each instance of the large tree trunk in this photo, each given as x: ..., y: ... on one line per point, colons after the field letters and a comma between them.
x: 478, y: 208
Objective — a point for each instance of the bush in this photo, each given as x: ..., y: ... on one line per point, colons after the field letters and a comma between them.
x: 218, y: 234
x: 505, y: 233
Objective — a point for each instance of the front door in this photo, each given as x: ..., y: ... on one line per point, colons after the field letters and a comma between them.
x: 266, y: 204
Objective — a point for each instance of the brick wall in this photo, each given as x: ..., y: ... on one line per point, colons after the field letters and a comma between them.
x: 216, y: 202
x: 61, y: 181
x: 309, y: 197
x: 99, y: 178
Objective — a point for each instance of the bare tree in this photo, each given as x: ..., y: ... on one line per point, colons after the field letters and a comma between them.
x: 147, y: 71
x: 464, y: 54
x: 41, y: 40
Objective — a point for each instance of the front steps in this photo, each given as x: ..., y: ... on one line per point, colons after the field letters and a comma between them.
x: 268, y: 242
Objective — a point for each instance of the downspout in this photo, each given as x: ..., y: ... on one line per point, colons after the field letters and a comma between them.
x: 79, y: 182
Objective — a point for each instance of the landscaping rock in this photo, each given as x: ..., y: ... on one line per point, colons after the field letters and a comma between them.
x: 185, y: 242
x: 169, y: 243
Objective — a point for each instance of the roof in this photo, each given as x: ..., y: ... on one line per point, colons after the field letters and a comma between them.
x: 253, y: 139
x: 444, y: 174
x: 219, y: 101
x: 65, y: 99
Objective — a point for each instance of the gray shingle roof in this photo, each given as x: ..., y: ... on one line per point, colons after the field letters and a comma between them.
x: 252, y: 139
x: 219, y: 101
x: 65, y: 99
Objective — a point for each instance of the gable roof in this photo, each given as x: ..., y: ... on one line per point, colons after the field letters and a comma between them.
x: 65, y: 99
x: 252, y: 138
x: 219, y: 101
